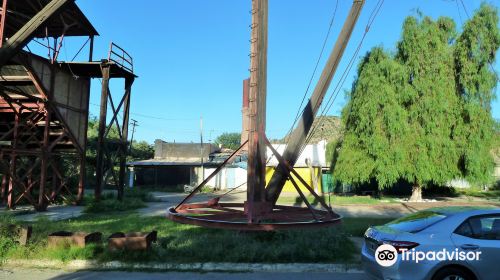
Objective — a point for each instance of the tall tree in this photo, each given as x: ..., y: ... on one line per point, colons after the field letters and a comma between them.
x: 426, y: 51
x: 229, y: 140
x: 475, y: 53
x: 375, y: 124
x: 422, y: 115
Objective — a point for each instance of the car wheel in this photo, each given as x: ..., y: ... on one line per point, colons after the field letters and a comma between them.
x: 453, y: 273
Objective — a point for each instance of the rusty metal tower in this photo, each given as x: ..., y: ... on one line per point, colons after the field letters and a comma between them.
x: 260, y: 211
x: 44, y: 102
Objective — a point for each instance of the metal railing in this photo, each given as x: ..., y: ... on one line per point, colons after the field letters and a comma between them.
x: 121, y: 57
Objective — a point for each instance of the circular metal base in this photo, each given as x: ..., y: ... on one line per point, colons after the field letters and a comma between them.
x: 232, y: 216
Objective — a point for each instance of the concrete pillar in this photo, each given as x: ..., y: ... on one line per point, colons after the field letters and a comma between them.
x: 131, y: 176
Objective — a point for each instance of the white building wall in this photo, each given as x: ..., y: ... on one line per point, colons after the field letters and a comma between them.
x: 221, y: 180
x: 314, y: 152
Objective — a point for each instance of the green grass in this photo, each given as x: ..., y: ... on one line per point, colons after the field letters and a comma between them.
x: 338, y: 200
x: 132, y: 199
x: 184, y: 243
x: 491, y: 194
x: 357, y: 226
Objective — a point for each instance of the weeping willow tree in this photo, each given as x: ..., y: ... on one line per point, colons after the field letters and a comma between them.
x: 423, y: 114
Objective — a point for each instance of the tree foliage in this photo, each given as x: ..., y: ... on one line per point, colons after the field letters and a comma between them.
x: 140, y: 150
x: 423, y: 114
x: 229, y: 140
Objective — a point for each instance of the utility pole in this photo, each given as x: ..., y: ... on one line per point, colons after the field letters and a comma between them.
x: 134, y: 124
x: 256, y: 172
x: 201, y: 149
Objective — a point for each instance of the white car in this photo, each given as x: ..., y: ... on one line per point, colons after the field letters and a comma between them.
x: 454, y: 243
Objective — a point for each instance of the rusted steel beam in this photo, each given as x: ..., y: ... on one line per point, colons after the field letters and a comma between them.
x: 256, y: 172
x: 4, y: 187
x: 46, y: 93
x: 299, y: 134
x: 26, y: 33
x: 42, y: 204
x: 2, y: 21
x: 289, y: 217
x: 304, y: 198
x: 91, y: 49
x: 283, y: 164
x: 115, y: 113
x: 123, y: 145
x: 12, y: 170
x: 81, y: 179
x: 217, y: 170
x: 105, y: 68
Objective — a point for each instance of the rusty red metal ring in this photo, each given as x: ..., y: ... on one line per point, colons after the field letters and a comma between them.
x: 185, y: 216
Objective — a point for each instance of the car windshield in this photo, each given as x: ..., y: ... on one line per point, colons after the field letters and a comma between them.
x: 416, y: 222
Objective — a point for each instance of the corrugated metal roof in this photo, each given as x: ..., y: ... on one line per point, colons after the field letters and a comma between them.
x: 21, y: 11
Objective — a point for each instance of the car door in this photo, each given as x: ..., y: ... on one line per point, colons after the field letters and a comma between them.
x: 481, y: 234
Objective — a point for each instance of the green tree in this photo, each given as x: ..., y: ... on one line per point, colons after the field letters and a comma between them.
x: 475, y: 52
x: 229, y: 140
x: 422, y: 114
x: 140, y: 150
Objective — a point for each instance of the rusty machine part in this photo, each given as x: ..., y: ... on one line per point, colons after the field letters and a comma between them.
x: 260, y: 211
x: 44, y: 104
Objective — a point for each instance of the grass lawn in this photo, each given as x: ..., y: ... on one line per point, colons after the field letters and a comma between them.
x: 491, y: 195
x: 357, y: 226
x: 337, y: 200
x: 184, y: 243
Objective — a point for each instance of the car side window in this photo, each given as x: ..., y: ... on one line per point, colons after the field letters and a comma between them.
x: 481, y: 227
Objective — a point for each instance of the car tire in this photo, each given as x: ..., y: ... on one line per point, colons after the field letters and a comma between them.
x: 453, y: 273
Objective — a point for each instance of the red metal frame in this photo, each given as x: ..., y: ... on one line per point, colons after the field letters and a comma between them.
x: 266, y: 217
x: 2, y: 21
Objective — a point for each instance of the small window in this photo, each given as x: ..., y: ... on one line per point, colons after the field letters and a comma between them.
x: 481, y: 227
x: 464, y: 229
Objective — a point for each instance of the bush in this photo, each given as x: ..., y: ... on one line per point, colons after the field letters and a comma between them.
x: 112, y: 205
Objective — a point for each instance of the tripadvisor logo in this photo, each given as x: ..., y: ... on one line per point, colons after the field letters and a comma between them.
x: 386, y: 255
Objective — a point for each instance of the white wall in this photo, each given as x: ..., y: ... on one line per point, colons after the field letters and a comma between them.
x: 314, y: 152
x: 228, y: 177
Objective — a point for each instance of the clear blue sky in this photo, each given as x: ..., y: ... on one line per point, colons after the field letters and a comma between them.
x: 192, y: 56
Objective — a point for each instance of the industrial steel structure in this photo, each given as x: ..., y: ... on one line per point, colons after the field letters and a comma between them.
x: 260, y: 211
x: 44, y: 103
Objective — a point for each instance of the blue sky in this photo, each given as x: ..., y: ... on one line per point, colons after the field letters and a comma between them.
x: 191, y: 56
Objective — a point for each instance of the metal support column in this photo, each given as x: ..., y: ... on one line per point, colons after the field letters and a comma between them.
x: 256, y: 177
x: 299, y: 134
x: 13, y: 160
x: 42, y: 203
x: 2, y: 21
x: 123, y: 144
x: 100, y: 180
x: 4, y: 188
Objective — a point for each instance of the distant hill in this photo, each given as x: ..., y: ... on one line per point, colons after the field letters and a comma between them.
x: 329, y: 129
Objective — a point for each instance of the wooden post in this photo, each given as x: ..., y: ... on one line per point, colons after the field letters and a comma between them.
x: 4, y: 187
x: 123, y: 144
x: 83, y: 155
x: 91, y: 48
x: 2, y: 22
x: 102, y: 129
x: 42, y: 203
x: 13, y: 161
x: 299, y: 134
x: 257, y: 106
x: 81, y: 179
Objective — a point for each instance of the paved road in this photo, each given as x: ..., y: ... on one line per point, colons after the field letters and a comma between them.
x: 119, y: 275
